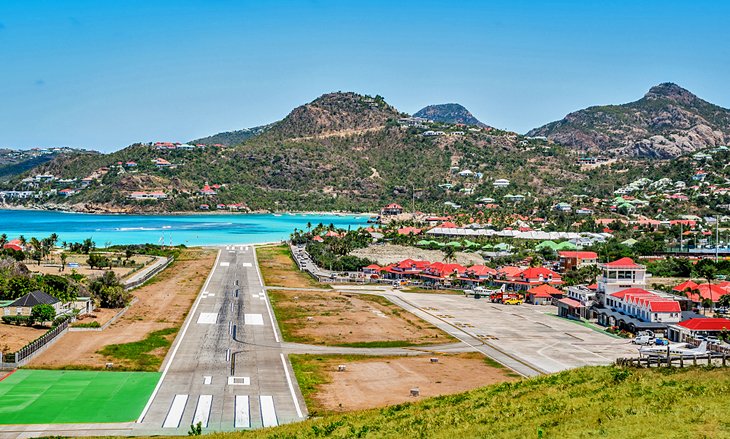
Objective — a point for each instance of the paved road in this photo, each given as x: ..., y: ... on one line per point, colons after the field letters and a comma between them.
x: 227, y: 368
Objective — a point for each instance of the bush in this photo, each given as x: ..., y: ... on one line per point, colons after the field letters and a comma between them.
x: 60, y: 319
x: 18, y: 320
x: 93, y: 324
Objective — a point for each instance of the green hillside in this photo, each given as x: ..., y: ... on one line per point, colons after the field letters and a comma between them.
x: 604, y: 402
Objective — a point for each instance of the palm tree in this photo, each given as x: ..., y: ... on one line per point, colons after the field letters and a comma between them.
x: 707, y: 269
x: 449, y: 253
x: 22, y: 240
x: 3, y: 239
x: 63, y: 261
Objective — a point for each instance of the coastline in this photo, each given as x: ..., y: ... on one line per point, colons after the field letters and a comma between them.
x: 12, y: 207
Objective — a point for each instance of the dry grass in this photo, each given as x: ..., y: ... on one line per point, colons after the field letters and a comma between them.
x: 332, y: 318
x: 370, y: 382
x: 279, y: 270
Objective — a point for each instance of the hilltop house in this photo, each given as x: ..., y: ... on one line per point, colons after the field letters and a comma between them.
x: 161, y: 163
x: 392, y: 209
x: 502, y: 182
x: 142, y: 195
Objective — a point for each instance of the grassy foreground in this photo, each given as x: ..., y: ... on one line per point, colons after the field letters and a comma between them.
x: 589, y: 402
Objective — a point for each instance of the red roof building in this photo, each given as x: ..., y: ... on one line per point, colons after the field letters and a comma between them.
x: 570, y: 260
x: 684, y: 286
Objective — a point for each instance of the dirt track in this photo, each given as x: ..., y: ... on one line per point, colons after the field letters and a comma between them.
x: 162, y: 304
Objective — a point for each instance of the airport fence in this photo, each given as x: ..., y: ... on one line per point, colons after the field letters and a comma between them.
x: 26, y: 353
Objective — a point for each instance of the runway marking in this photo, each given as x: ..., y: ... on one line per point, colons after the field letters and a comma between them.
x: 291, y: 387
x: 230, y: 327
x: 268, y: 413
x: 224, y: 264
x: 207, y: 379
x: 202, y: 411
x: 246, y: 264
x: 253, y: 319
x: 241, y: 411
x: 174, y: 415
x: 178, y: 341
x: 231, y: 251
x: 228, y: 355
x: 207, y: 318
x: 239, y: 381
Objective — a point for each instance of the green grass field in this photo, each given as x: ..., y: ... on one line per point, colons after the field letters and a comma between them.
x: 68, y: 396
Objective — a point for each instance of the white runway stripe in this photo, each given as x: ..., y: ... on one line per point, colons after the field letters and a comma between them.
x: 253, y: 319
x: 207, y: 379
x: 207, y: 318
x: 202, y: 411
x: 242, y: 414
x: 268, y: 413
x: 176, y: 411
x: 225, y: 264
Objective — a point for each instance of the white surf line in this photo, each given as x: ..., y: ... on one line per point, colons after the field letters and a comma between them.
x: 291, y: 387
x: 266, y: 297
x: 242, y: 417
x: 179, y: 341
x: 202, y: 410
x: 174, y: 415
x: 268, y: 413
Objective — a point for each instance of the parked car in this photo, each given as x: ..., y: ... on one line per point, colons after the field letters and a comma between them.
x: 512, y: 301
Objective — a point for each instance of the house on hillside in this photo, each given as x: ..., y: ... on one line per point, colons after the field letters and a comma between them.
x: 143, y: 195
x: 502, y: 182
x: 392, y: 209
x: 161, y: 163
x: 576, y: 259
x: 207, y: 190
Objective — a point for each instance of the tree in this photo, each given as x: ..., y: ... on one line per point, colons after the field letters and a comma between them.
x: 706, y: 269
x: 724, y: 301
x: 706, y: 303
x: 43, y: 312
x: 64, y: 256
x: 3, y: 240
x: 449, y: 253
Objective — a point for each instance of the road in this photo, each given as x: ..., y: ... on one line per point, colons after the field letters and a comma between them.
x: 227, y: 368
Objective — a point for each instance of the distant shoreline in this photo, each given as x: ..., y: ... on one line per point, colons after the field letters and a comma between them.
x: 193, y: 212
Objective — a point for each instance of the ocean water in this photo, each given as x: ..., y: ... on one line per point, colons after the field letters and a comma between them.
x: 199, y: 229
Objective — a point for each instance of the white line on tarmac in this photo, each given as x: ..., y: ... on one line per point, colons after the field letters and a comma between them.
x: 291, y: 387
x: 228, y: 355
x: 268, y: 304
x: 202, y: 411
x: 174, y: 415
x: 253, y: 319
x: 207, y: 379
x: 241, y: 411
x: 177, y: 345
x: 268, y: 413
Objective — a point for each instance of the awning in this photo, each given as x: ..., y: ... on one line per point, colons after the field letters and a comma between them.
x: 571, y: 303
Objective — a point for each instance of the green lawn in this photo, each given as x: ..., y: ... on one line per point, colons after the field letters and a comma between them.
x: 67, y: 396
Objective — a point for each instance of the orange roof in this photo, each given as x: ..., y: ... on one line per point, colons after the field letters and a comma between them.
x: 578, y: 254
x: 544, y: 290
x: 684, y: 286
x: 623, y: 263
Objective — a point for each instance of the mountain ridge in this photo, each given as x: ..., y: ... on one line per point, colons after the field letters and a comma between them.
x: 666, y: 122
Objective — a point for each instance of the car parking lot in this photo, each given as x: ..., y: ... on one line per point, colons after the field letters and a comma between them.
x: 530, y: 333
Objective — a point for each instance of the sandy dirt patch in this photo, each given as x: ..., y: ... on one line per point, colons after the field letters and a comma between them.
x: 163, y: 303
x: 334, y: 318
x: 278, y: 269
x: 386, y: 381
x: 14, y: 337
x: 388, y: 254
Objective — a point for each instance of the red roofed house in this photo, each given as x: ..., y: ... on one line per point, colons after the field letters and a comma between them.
x: 372, y: 269
x: 542, y: 294
x: 392, y: 209
x: 14, y: 244
x: 539, y: 275
x: 207, y: 190
x: 707, y: 291
x: 318, y: 239
x: 684, y: 286
x: 440, y: 271
x: 576, y: 259
x: 693, y: 328
x: 161, y: 163
x: 409, y: 230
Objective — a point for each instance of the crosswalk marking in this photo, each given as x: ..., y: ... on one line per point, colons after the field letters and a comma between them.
x: 268, y: 413
x: 176, y: 411
x: 242, y: 416
x: 202, y: 411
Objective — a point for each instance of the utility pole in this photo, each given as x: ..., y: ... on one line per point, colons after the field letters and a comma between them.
x: 681, y: 234
x: 717, y: 237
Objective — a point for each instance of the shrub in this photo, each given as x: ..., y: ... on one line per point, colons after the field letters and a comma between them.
x: 18, y: 320
x: 93, y: 324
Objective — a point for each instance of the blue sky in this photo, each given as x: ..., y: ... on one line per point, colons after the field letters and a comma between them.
x: 103, y: 74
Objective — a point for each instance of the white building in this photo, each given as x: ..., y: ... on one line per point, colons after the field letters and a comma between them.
x: 502, y: 182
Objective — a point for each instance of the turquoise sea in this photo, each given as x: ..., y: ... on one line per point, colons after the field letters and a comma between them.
x: 199, y: 229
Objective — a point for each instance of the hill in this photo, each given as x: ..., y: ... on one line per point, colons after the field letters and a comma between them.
x: 449, y: 113
x: 605, y: 402
x: 231, y: 138
x: 667, y: 122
